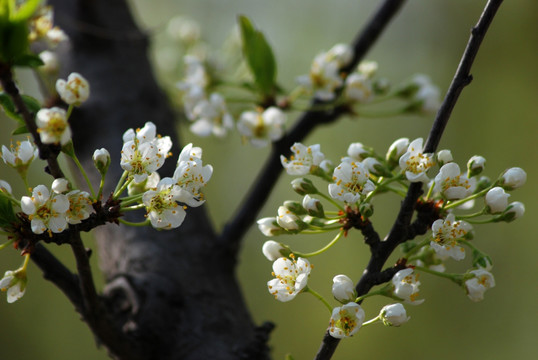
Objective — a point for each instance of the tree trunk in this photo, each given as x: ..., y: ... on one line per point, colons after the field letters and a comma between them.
x: 168, y: 294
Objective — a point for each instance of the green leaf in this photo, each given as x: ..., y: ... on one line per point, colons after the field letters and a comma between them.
x: 20, y: 130
x: 259, y: 56
x: 31, y: 103
x: 28, y: 60
x: 7, y: 215
x: 9, y: 107
x: 26, y: 10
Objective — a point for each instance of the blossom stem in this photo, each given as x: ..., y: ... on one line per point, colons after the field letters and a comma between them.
x: 140, y: 224
x: 416, y: 248
x: 468, y: 216
x: 463, y: 201
x: 131, y: 200
x: 69, y: 111
x: 319, y: 297
x: 83, y: 172
x: 331, y: 200
x: 26, y: 261
x: 122, y: 185
x: 101, y: 186
x: 132, y: 208
x: 371, y: 321
x: 320, y: 251
x: 449, y: 276
x: 430, y: 190
x: 382, y: 185
x: 7, y: 243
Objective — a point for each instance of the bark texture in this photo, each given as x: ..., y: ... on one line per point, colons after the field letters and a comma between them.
x: 168, y: 294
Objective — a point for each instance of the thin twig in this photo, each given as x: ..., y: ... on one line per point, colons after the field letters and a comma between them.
x: 235, y: 230
x: 45, y: 151
x: 399, y: 231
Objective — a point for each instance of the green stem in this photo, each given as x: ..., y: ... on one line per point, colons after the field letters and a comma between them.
x: 131, y: 200
x: 83, y: 172
x: 416, y: 248
x: 7, y: 243
x: 319, y: 297
x: 372, y: 321
x: 140, y: 224
x: 119, y: 190
x: 132, y: 208
x: 328, y: 246
x: 449, y: 276
x: 331, y: 200
x: 476, y: 214
x: 69, y: 111
x: 463, y: 201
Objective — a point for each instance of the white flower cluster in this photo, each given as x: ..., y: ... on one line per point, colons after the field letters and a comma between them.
x: 42, y: 27
x: 325, y: 78
x: 53, y: 212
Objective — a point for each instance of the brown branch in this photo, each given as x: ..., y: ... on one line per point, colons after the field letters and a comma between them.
x: 264, y: 183
x: 399, y: 231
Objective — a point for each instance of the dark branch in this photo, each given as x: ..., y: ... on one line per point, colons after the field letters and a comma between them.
x: 258, y: 194
x: 400, y: 230
x: 46, y: 152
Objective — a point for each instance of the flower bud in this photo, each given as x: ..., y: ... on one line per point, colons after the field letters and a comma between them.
x: 50, y: 62
x: 303, y: 186
x: 101, y: 160
x: 375, y: 167
x: 396, y: 150
x: 475, y: 165
x: 294, y: 207
x: 483, y: 183
x: 5, y: 187
x: 366, y: 209
x: 269, y: 227
x: 513, y: 211
x: 393, y: 315
x: 358, y: 151
x: 75, y: 90
x: 496, y: 200
x: 313, y: 207
x: 288, y: 220
x: 444, y: 156
x: 60, y: 185
x: 478, y: 284
x: 513, y: 178
x: 273, y: 250
x: 343, y: 289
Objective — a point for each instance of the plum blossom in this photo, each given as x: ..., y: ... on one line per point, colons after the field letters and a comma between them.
x: 162, y: 206
x: 20, y: 156
x: 272, y: 250
x: 52, y: 126
x: 496, y: 200
x: 75, y: 90
x: 396, y: 150
x: 324, y: 77
x: 268, y: 226
x: 393, y: 315
x: 144, y: 151
x: 191, y: 175
x: 211, y: 117
x: 288, y: 220
x: 304, y: 160
x: 406, y: 286
x: 351, y: 182
x: 477, y: 285
x: 45, y: 211
x: 261, y: 128
x: 346, y: 320
x: 359, y: 88
x: 291, y: 277
x: 14, y: 283
x: 475, y: 165
x: 414, y: 163
x: 452, y: 184
x: 427, y: 95
x: 513, y: 178
x: 343, y: 289
x: 445, y: 234
x: 80, y: 206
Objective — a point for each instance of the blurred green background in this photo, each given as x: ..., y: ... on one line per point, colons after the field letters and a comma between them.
x: 495, y: 117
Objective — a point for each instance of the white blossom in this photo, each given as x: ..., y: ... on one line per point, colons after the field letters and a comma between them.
x: 50, y: 62
x: 288, y: 220
x: 351, y: 182
x: 514, y: 211
x: 359, y: 88
x: 268, y: 226
x: 271, y: 250
x: 52, y: 126
x: 356, y: 151
x: 445, y: 234
x: 452, y: 184
x: 427, y: 94
x: 14, y: 283
x: 304, y: 159
x: 343, y: 289
x: 191, y: 175
x: 5, y: 187
x: 415, y: 163
x: 162, y: 206
x: 75, y: 90
x: 397, y: 149
x: 101, y: 159
x: 476, y: 286
x: 80, y: 206
x: 444, y: 156
x: 21, y: 155
x: 394, y: 315
x: 45, y: 211
x: 60, y: 185
x: 291, y: 277
x: 475, y: 165
x: 497, y: 200
x: 406, y: 286
x: 346, y: 320
x: 262, y: 128
x: 513, y: 178
x: 211, y: 117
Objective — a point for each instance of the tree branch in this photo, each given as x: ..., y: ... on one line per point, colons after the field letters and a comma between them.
x: 399, y: 231
x: 262, y: 188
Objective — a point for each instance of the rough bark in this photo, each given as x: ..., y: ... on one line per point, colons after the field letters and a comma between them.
x: 168, y: 294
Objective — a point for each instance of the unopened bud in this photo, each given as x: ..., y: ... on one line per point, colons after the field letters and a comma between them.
x: 101, y: 160
x: 475, y: 165
x: 303, y: 186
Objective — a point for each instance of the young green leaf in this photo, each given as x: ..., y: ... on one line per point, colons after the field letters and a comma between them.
x: 259, y: 57
x: 7, y: 215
